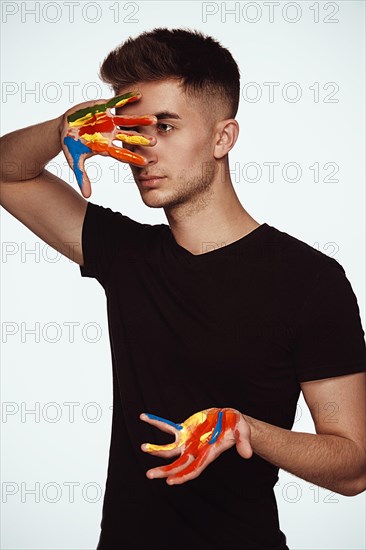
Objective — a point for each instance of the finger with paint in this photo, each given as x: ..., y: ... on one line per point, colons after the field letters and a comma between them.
x: 199, y: 440
x: 91, y: 130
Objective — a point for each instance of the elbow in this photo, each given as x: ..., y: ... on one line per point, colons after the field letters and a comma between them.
x: 357, y: 484
x: 357, y: 487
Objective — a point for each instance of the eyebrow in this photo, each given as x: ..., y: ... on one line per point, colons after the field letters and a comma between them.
x: 167, y: 114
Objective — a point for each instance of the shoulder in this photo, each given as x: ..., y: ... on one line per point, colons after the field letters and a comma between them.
x: 300, y: 271
x: 295, y: 255
x: 107, y: 216
x: 118, y: 232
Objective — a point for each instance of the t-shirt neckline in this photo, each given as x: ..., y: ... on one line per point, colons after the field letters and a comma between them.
x: 216, y: 252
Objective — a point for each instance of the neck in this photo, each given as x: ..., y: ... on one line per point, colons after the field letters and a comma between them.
x: 214, y: 219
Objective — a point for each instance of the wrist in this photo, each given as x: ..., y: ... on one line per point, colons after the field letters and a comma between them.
x: 60, y: 124
x: 250, y: 422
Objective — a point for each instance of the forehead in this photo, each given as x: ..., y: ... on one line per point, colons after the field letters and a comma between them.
x: 157, y: 97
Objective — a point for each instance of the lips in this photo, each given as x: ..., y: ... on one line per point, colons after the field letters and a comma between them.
x: 149, y: 181
x: 147, y: 178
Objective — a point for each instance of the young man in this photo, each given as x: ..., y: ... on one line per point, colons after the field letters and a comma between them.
x: 217, y: 322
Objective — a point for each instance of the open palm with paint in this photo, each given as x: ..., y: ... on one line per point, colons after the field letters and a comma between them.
x: 91, y: 128
x: 199, y: 440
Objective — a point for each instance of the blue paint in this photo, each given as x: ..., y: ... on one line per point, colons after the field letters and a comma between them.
x: 153, y: 417
x: 76, y: 148
x: 217, y: 430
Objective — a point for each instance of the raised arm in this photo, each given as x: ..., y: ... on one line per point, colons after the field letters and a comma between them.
x: 47, y: 205
x: 44, y: 203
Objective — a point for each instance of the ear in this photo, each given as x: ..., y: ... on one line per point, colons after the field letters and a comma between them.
x: 227, y: 132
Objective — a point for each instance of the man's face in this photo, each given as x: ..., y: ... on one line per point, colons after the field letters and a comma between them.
x: 182, y: 158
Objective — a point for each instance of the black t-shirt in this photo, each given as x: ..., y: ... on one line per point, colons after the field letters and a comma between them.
x: 239, y: 326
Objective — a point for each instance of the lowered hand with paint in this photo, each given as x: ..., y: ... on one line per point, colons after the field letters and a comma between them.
x: 91, y: 130
x: 199, y: 440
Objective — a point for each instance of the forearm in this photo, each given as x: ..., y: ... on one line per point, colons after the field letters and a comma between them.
x: 25, y: 152
x: 329, y: 461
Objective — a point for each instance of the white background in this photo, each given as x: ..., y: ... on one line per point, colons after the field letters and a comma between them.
x: 56, y: 52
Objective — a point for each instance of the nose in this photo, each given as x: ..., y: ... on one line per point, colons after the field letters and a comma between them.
x: 149, y: 152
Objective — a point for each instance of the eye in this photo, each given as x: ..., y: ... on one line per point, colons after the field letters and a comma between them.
x: 164, y: 128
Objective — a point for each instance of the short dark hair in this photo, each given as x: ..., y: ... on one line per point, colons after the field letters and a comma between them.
x: 202, y: 65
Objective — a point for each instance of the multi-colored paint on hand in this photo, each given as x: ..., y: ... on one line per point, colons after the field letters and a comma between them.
x: 92, y: 130
x: 194, y: 438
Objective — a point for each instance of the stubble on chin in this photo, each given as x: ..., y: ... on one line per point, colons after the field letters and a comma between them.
x: 188, y: 198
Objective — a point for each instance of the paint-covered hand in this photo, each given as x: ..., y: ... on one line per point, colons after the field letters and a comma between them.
x: 90, y: 128
x: 199, y: 440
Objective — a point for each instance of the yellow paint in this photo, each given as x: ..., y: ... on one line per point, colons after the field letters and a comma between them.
x: 195, y: 420
x: 97, y: 137
x: 80, y: 121
x: 168, y: 447
x: 183, y: 435
x: 205, y: 436
x: 134, y: 140
x: 123, y: 102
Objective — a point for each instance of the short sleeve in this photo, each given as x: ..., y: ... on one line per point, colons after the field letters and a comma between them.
x: 104, y: 234
x: 329, y: 340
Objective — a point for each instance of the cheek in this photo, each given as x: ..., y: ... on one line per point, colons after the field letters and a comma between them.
x: 194, y: 149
